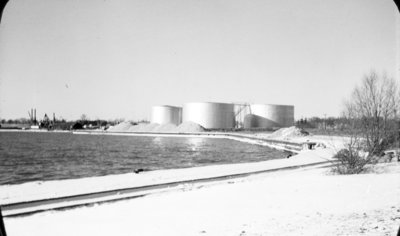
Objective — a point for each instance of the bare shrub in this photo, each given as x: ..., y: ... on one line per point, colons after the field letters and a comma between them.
x: 352, y: 159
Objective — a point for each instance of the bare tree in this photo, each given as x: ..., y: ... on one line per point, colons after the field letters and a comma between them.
x: 84, y: 119
x: 372, y: 112
x: 371, y: 116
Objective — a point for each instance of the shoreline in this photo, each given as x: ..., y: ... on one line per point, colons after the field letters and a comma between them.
x: 303, y: 201
x: 294, y: 202
x: 281, y: 145
x: 58, y: 188
x: 34, y: 131
x: 46, y: 189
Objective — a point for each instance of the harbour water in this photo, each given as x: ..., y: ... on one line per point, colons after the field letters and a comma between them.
x: 41, y: 156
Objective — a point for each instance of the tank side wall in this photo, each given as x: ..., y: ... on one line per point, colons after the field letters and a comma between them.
x: 166, y: 114
x: 210, y: 115
x: 275, y: 115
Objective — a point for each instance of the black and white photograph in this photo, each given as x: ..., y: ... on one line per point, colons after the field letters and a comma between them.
x: 199, y: 117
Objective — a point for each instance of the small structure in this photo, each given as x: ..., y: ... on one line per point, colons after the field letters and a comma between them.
x: 308, y: 145
x: 392, y: 153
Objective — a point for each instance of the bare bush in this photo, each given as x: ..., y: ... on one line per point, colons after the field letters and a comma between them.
x: 352, y: 159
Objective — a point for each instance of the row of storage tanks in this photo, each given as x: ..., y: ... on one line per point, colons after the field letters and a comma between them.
x: 212, y: 115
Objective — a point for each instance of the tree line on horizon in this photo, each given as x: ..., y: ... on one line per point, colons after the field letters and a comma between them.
x: 64, y: 124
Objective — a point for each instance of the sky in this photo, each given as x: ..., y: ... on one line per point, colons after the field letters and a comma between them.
x: 116, y: 59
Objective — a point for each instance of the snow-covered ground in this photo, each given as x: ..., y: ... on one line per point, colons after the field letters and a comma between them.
x: 50, y: 189
x: 290, y: 202
x: 293, y: 135
x: 296, y: 202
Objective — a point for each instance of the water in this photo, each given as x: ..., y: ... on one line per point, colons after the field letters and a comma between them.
x: 28, y: 156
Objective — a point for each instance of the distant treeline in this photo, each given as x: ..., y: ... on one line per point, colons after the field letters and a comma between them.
x: 339, y: 125
x: 322, y: 123
x: 62, y: 124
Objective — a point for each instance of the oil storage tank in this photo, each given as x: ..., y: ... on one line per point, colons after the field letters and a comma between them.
x: 210, y: 115
x: 166, y: 115
x: 269, y: 116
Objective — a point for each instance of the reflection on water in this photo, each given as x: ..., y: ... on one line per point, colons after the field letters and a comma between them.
x: 157, y: 141
x: 195, y: 143
x: 26, y: 156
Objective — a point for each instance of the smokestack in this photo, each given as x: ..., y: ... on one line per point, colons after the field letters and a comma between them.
x: 35, y: 116
x: 54, y: 117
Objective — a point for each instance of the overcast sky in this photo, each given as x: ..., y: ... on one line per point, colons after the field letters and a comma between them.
x: 117, y: 58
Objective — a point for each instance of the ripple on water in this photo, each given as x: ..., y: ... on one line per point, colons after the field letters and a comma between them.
x: 26, y: 156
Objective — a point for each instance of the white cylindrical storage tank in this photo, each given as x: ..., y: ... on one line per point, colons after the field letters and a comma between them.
x: 270, y: 116
x: 251, y: 121
x: 166, y: 115
x: 210, y: 115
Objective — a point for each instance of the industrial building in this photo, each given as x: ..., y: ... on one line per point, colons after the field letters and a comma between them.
x: 213, y: 115
x: 166, y: 115
x: 210, y: 115
x: 269, y: 116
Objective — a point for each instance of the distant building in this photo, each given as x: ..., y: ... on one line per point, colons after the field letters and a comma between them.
x: 212, y: 115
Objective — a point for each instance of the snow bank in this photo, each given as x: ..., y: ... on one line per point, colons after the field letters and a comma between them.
x: 121, y: 127
x: 283, y: 203
x: 286, y: 133
x: 141, y: 128
x: 190, y: 127
x: 185, y: 127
